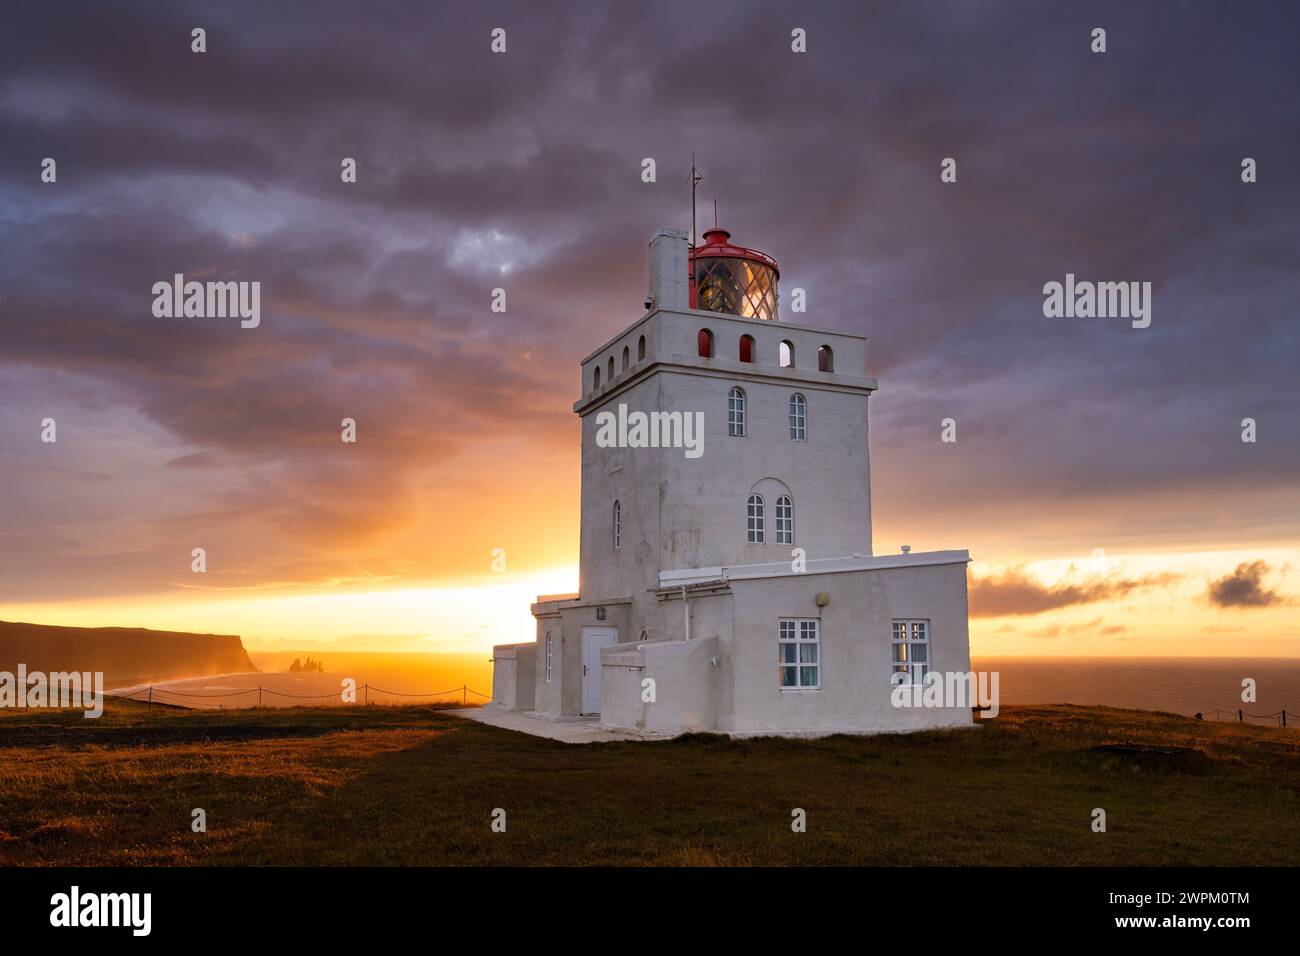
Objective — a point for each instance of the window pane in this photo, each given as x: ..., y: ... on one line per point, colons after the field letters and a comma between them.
x: 788, y: 677
x: 807, y: 653
x: 788, y: 653
x: 808, y: 676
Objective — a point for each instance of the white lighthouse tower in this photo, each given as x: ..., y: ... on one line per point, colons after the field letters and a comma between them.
x: 727, y: 579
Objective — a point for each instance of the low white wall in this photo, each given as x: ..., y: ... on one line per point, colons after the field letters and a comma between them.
x: 513, y: 676
x: 621, y: 670
x: 684, y: 675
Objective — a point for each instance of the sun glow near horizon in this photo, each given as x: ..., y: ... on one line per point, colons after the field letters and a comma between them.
x: 1129, y: 605
x: 469, y: 616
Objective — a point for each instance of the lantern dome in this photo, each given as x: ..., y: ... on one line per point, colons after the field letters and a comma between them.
x: 732, y: 279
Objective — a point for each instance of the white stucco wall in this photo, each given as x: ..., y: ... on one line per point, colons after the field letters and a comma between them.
x: 512, y: 676
x: 686, y: 512
x: 854, y: 696
x: 685, y: 676
x: 561, y: 696
x: 685, y: 691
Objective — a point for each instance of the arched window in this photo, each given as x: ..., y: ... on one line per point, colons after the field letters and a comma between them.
x: 611, y: 368
x: 754, y: 520
x: 787, y: 354
x: 798, y: 417
x: 706, y: 343
x: 627, y: 358
x: 736, y: 413
x: 618, y: 524
x: 640, y: 348
x: 784, y: 520
x: 595, y: 378
x: 825, y: 359
x: 747, y: 348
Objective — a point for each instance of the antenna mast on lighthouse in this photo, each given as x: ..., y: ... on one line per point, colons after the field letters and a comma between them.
x: 696, y: 179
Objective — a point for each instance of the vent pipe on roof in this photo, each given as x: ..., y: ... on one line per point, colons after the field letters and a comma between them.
x: 686, y: 614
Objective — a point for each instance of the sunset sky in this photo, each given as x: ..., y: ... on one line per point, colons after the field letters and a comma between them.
x: 1099, y: 478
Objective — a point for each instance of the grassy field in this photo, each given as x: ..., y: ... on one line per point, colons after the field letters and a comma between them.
x: 414, y: 785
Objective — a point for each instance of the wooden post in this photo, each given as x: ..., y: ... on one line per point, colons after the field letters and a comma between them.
x: 1239, y: 717
x: 1283, y: 716
x: 464, y: 695
x: 259, y: 695
x: 151, y: 696
x: 367, y: 690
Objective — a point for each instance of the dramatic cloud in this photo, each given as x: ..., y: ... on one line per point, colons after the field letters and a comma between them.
x: 1244, y: 587
x: 1015, y: 592
x: 522, y: 171
x: 1094, y: 628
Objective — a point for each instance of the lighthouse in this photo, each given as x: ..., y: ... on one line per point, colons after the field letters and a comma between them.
x: 735, y: 589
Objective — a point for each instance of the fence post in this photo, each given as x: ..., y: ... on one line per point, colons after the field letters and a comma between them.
x: 151, y: 696
x: 1239, y: 717
x: 259, y: 695
x: 1283, y: 716
x: 464, y: 695
x: 367, y: 690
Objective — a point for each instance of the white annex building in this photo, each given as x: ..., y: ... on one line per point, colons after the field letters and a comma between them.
x: 733, y: 588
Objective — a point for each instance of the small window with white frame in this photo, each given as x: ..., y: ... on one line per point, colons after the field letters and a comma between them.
x: 550, y: 655
x: 736, y: 413
x: 755, y: 519
x: 784, y: 520
x: 798, y: 417
x: 911, y: 651
x: 799, y: 646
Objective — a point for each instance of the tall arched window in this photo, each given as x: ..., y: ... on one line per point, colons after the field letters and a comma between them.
x: 787, y: 354
x: 595, y: 378
x: 736, y: 413
x: 706, y: 343
x: 754, y: 520
x: 627, y: 358
x: 825, y: 359
x: 784, y: 520
x: 798, y: 417
x: 640, y: 348
x: 747, y: 348
x: 611, y: 368
x: 618, y: 524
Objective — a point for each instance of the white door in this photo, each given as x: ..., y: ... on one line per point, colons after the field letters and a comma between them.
x: 593, y: 639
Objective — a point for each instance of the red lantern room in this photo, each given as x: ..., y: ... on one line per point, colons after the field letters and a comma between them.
x: 732, y: 279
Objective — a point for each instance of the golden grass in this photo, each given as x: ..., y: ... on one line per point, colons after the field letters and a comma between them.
x: 415, y: 786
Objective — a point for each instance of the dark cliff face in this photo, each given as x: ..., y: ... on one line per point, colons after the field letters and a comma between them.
x: 126, y: 655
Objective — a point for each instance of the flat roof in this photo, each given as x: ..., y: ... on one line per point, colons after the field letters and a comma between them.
x: 780, y: 569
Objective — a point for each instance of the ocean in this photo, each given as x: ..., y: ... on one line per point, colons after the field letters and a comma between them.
x: 1181, y: 685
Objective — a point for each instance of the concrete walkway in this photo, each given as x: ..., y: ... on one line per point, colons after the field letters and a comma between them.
x: 584, y: 730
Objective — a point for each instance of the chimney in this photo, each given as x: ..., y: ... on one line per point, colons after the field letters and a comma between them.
x: 668, y: 271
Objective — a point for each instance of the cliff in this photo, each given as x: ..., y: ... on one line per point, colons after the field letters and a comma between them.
x: 126, y: 655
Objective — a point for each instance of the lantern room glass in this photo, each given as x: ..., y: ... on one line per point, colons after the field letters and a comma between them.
x: 735, y: 286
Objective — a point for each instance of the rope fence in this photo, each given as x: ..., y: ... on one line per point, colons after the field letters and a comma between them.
x: 159, y: 695
x: 1280, y: 716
